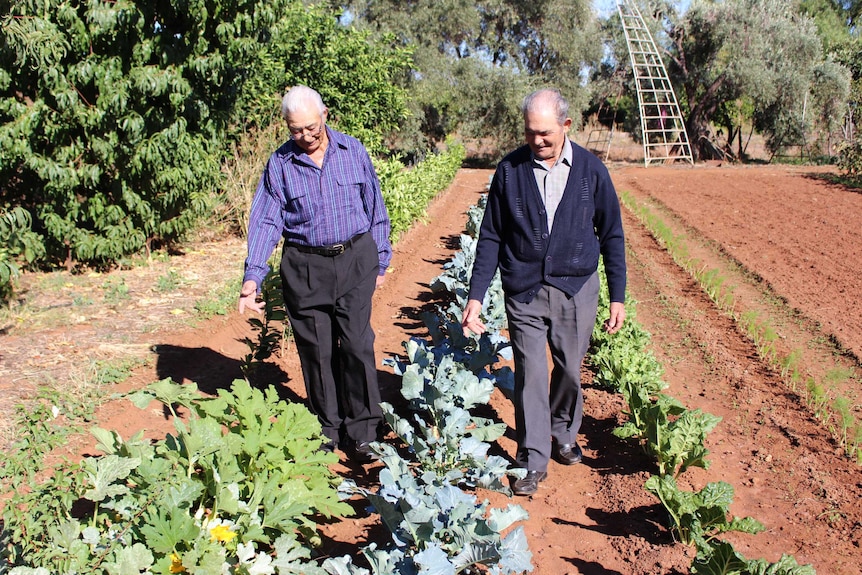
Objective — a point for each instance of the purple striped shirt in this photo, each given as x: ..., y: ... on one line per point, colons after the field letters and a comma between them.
x: 314, y: 206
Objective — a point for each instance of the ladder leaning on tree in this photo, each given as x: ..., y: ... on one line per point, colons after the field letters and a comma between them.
x: 662, y: 126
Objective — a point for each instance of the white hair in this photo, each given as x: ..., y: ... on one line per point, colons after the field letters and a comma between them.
x: 547, y: 97
x: 299, y: 98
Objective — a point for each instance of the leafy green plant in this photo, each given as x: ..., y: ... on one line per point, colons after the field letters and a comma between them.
x: 713, y: 284
x: 850, y: 160
x: 723, y: 559
x: 455, y: 280
x: 38, y: 431
x: 698, y: 517
x: 272, y: 330
x: 436, y: 526
x: 790, y: 367
x: 116, y: 370
x: 116, y: 291
x: 669, y: 431
x: 169, y: 282
x: 625, y: 361
x: 817, y: 398
x: 407, y: 192
x: 80, y: 300
x: 220, y: 300
x: 238, y: 488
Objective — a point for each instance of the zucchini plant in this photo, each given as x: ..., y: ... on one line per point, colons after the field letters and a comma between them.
x: 237, y: 488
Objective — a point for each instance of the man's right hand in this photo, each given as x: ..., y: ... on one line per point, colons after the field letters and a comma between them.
x: 248, y: 297
x: 470, y: 321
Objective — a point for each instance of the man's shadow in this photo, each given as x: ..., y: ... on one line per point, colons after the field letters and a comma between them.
x: 212, y: 371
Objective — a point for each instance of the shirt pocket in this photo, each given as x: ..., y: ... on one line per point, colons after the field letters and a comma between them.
x: 297, y: 209
x: 350, y: 195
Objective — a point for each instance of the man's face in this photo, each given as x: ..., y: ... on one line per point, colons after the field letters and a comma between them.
x: 544, y: 134
x: 307, y: 128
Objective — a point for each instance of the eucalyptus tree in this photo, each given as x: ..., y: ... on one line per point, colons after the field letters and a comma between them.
x: 475, y: 60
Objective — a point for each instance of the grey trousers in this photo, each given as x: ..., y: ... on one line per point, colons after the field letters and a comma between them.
x: 328, y: 303
x: 549, y: 408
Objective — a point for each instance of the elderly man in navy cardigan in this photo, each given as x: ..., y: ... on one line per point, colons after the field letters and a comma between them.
x: 551, y: 211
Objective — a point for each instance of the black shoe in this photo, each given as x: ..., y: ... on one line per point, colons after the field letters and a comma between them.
x: 529, y: 484
x: 361, y: 452
x: 567, y: 453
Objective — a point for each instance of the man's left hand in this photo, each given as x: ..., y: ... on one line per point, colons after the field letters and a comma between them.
x: 380, y: 280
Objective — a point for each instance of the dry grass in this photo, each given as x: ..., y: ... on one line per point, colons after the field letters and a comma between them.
x: 242, y: 172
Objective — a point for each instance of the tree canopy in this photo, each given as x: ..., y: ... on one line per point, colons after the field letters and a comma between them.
x: 476, y: 60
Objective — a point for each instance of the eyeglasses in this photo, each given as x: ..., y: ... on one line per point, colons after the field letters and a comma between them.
x: 539, y: 134
x: 312, y: 130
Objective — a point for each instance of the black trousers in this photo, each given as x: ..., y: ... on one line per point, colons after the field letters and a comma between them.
x: 328, y: 303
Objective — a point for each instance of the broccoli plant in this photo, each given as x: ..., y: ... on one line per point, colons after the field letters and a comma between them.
x: 437, y: 527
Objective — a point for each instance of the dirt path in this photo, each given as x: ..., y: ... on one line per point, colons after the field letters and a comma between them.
x: 596, y: 518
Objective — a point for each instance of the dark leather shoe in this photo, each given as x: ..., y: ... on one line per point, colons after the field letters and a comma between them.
x: 567, y: 453
x: 361, y: 452
x: 528, y: 484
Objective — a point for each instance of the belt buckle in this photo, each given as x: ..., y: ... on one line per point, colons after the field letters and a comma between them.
x: 337, y: 249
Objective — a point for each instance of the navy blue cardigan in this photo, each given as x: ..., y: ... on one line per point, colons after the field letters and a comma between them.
x: 514, y: 233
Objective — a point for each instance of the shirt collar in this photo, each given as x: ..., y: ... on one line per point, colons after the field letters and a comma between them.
x: 565, y: 156
x: 336, y: 139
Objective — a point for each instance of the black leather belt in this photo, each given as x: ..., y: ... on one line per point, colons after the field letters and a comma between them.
x: 328, y: 251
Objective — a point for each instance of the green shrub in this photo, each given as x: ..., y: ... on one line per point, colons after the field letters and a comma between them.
x: 408, y: 191
x: 114, y: 116
x: 17, y: 242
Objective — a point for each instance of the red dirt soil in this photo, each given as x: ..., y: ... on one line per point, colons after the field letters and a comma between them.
x: 799, y: 234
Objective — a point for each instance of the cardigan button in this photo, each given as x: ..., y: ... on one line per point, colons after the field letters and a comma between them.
x: 544, y: 236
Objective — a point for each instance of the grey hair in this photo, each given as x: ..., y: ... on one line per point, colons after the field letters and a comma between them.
x: 547, y: 96
x: 298, y: 98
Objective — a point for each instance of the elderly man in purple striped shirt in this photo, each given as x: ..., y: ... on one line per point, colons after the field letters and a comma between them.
x: 319, y: 191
